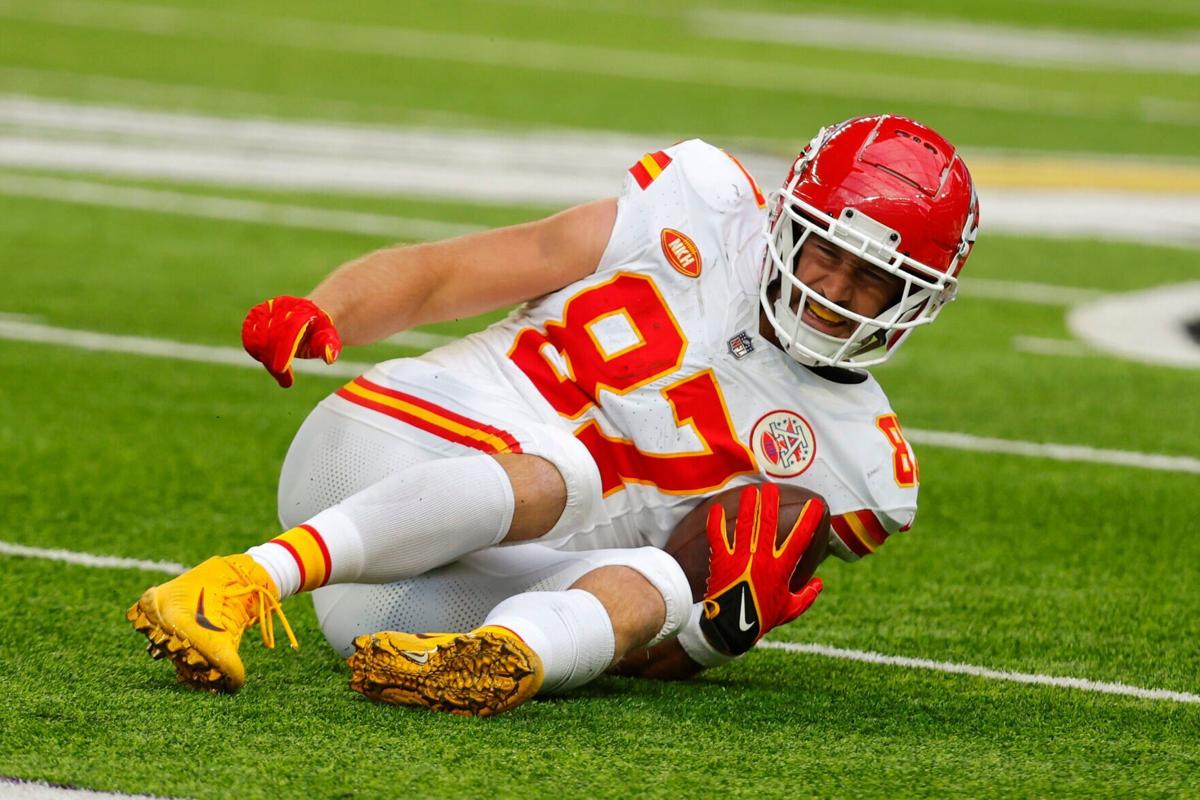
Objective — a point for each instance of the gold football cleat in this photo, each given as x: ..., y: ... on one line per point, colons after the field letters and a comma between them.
x: 197, y: 620
x: 480, y: 673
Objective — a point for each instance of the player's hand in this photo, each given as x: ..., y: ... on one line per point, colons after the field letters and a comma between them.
x: 283, y: 328
x: 747, y: 591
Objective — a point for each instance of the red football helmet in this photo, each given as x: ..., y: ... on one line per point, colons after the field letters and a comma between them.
x: 890, y: 191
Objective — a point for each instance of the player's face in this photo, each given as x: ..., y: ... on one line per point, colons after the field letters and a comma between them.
x: 847, y: 280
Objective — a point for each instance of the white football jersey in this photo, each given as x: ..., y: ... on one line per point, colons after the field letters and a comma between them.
x: 656, y: 365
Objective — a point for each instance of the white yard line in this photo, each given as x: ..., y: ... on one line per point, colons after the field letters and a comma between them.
x: 1023, y: 292
x: 1151, y: 217
x: 640, y: 65
x: 162, y: 201
x: 163, y: 94
x: 931, y: 38
x: 1056, y: 452
x: 503, y: 167
x: 1082, y: 684
x: 232, y: 356
x: 1052, y: 347
x: 89, y: 559
x: 991, y: 168
x: 956, y: 668
x: 95, y: 341
x: 269, y: 213
x: 16, y: 789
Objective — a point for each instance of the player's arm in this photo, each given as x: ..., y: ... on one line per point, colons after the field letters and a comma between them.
x: 401, y: 287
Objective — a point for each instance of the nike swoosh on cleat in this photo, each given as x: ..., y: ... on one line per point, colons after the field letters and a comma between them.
x: 417, y: 657
x: 742, y: 623
x: 202, y: 620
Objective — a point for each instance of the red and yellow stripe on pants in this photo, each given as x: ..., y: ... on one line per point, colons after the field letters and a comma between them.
x: 861, y: 531
x: 429, y: 417
x: 311, y: 554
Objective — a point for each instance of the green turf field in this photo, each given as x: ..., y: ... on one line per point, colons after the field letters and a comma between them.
x: 1024, y: 564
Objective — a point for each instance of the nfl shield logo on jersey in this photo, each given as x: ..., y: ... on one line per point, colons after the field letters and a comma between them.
x: 783, y: 443
x: 741, y: 346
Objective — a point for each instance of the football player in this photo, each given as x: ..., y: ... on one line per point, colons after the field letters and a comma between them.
x: 515, y: 488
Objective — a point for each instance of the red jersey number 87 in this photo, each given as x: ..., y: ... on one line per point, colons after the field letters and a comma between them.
x: 696, y: 400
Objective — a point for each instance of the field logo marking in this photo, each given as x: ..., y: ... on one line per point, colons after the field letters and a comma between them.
x: 1154, y: 326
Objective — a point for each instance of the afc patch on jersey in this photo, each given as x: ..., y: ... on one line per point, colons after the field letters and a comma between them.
x: 784, y: 443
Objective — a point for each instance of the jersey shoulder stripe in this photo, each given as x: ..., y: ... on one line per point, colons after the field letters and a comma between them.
x: 758, y: 195
x: 649, y: 167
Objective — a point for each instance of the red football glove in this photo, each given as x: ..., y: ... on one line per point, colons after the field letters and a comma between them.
x: 748, y: 576
x: 278, y: 330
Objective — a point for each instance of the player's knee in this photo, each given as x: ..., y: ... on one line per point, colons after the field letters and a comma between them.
x: 646, y: 593
x: 539, y: 495
x: 559, y: 473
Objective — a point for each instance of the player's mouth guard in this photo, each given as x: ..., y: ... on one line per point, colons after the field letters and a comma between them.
x: 926, y: 290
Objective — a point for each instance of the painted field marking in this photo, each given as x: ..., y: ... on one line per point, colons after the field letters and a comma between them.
x: 89, y: 559
x: 970, y: 41
x: 1025, y: 292
x: 16, y: 330
x: 955, y: 668
x: 1053, y: 347
x: 162, y: 94
x: 171, y: 568
x: 307, y: 217
x: 642, y: 65
x: 1158, y: 325
x: 990, y: 168
x: 1056, y: 452
x: 514, y: 167
x: 232, y: 356
x: 228, y: 208
x: 17, y: 789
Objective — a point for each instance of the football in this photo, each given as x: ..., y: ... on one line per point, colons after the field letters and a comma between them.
x: 689, y: 541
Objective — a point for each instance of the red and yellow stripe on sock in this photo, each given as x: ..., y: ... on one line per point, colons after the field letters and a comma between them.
x: 649, y: 167
x: 311, y: 554
x: 429, y: 417
x: 861, y: 531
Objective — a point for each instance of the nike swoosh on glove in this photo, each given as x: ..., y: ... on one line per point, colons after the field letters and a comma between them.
x: 747, y: 593
x: 282, y: 328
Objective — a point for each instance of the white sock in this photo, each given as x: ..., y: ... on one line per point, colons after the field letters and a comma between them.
x: 406, y: 524
x: 570, y: 631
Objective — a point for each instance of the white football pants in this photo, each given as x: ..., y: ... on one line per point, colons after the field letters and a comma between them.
x: 334, y: 456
